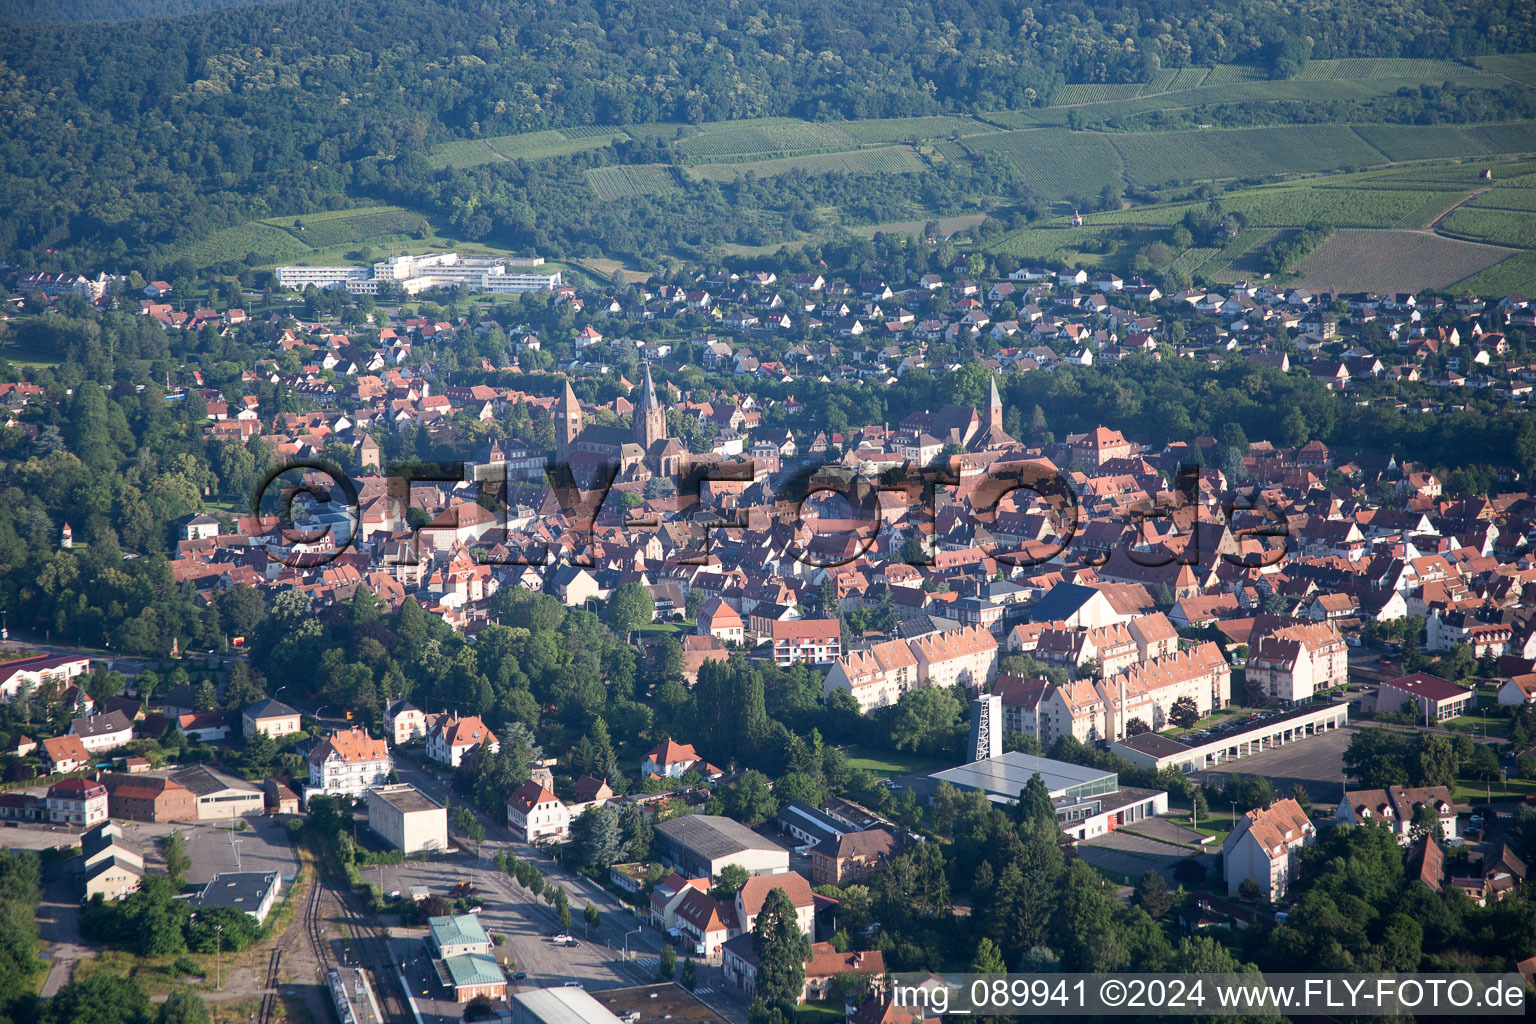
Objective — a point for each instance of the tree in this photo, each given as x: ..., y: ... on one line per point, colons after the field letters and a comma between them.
x: 1136, y: 726
x: 732, y: 878
x: 1250, y: 890
x: 591, y: 915
x: 666, y: 964
x: 563, y: 909
x: 595, y: 837
x: 177, y: 861
x: 183, y: 1007
x: 629, y: 608
x: 988, y: 958
x: 690, y: 976
x: 242, y: 687
x: 781, y: 950
x: 1184, y: 713
x: 207, y: 696
x: 1152, y: 894
x: 1434, y: 761
x: 1426, y: 822
x: 750, y: 799
x: 100, y: 998
x: 1035, y: 802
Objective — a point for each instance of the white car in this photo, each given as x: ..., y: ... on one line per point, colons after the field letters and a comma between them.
x: 562, y: 939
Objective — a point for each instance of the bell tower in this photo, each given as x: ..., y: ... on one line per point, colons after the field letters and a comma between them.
x: 650, y: 418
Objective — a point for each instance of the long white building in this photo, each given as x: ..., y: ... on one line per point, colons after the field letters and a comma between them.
x: 415, y: 274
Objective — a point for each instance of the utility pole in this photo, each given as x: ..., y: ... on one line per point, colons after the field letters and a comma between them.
x: 218, y: 950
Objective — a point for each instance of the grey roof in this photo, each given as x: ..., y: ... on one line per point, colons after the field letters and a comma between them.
x: 564, y: 1006
x: 1153, y: 745
x: 712, y: 836
x: 204, y: 781
x: 270, y: 708
x: 243, y: 890
x: 94, y: 842
x: 1061, y: 602
x: 406, y: 799
x: 101, y: 725
x: 108, y: 863
x: 1009, y: 774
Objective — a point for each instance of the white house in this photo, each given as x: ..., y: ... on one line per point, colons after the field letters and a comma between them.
x: 1265, y: 846
x: 534, y: 813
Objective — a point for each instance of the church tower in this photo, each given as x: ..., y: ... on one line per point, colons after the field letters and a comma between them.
x: 995, y: 410
x: 567, y: 420
x: 650, y: 418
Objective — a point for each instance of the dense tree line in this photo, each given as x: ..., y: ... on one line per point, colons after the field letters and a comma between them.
x: 121, y: 143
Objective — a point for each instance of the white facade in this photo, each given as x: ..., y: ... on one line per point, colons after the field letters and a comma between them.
x: 415, y: 274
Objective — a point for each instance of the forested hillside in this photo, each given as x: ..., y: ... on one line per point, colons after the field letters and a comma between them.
x: 31, y: 11
x: 122, y: 141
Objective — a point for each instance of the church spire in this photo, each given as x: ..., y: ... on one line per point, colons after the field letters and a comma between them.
x: 567, y: 419
x: 995, y: 408
x: 650, y: 418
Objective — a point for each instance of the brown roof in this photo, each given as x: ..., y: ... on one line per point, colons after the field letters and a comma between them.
x: 758, y: 887
x: 354, y: 745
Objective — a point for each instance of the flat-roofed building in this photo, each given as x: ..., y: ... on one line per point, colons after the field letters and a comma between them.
x: 560, y: 1006
x: 1088, y: 801
x: 254, y: 892
x: 408, y: 819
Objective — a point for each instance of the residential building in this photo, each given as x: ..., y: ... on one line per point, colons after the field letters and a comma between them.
x: 1265, y: 847
x: 877, y: 677
x: 534, y: 813
x: 718, y: 619
x: 80, y: 803
x: 406, y: 722
x: 965, y: 657
x: 853, y: 856
x: 272, y: 717
x: 808, y: 641
x: 1395, y: 806
x: 102, y: 732
x: 408, y: 819
x: 349, y: 763
x: 452, y: 736
x: 669, y: 760
x: 1296, y: 663
x: 64, y: 754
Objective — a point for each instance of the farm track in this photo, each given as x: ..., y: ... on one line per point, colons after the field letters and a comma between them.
x: 1434, y: 225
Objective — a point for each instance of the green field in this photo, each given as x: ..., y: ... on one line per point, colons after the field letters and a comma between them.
x: 763, y: 138
x: 886, y: 763
x: 901, y: 129
x: 270, y: 244
x: 1515, y: 274
x: 1496, y: 227
x: 350, y: 227
x: 1058, y: 163
x: 631, y: 181
x: 525, y: 146
x: 891, y: 160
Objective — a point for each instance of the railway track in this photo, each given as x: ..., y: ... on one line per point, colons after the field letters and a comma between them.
x: 269, y: 998
x: 371, y: 944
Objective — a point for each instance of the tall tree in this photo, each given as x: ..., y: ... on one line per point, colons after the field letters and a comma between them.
x: 781, y: 950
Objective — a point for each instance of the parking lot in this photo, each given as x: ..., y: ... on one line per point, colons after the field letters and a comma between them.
x: 1314, y: 761
x: 1131, y: 854
x: 262, y: 846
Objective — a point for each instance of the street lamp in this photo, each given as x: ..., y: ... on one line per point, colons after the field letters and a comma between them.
x: 627, y: 934
x: 218, y: 949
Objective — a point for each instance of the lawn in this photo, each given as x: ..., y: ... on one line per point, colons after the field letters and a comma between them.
x: 1474, y: 725
x: 1205, y: 723
x: 818, y: 1013
x: 1475, y: 790
x: 887, y: 763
